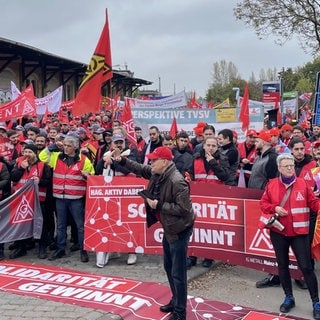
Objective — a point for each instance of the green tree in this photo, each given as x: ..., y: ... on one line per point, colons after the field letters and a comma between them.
x: 283, y: 19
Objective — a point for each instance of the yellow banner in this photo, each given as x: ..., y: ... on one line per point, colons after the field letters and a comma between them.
x: 226, y: 115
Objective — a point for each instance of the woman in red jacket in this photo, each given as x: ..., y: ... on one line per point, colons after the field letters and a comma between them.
x: 286, y: 204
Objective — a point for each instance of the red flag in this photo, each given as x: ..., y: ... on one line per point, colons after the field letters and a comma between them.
x: 174, y: 128
x: 244, y: 110
x: 98, y: 71
x: 22, y: 106
x: 127, y: 122
x: 193, y: 102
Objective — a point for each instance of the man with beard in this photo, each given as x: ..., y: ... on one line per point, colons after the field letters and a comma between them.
x: 155, y: 141
x: 264, y: 168
x: 27, y: 167
x: 107, y: 166
x: 182, y: 154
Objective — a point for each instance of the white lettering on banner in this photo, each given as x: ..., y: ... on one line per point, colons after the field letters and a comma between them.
x: 215, y: 211
x: 107, y: 297
x: 135, y: 210
x: 211, y: 236
x: 208, y: 236
x: 169, y: 114
x: 106, y: 191
x: 105, y: 283
x: 158, y: 235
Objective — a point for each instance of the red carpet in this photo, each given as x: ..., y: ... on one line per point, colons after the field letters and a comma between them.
x: 129, y: 298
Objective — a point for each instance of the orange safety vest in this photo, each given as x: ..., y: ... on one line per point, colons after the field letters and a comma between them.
x: 36, y: 170
x: 201, y: 175
x: 68, y: 182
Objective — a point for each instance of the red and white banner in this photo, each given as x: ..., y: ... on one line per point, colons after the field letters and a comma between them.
x: 128, y: 298
x: 225, y: 229
x: 20, y: 214
x: 22, y: 106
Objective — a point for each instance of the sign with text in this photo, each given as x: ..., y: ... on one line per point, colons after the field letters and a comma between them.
x: 225, y: 227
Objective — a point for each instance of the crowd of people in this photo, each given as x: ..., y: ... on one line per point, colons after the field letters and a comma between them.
x: 60, y: 152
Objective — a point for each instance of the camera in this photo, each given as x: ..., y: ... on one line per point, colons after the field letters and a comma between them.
x: 275, y: 223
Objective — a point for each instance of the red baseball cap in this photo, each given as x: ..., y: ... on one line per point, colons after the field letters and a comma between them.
x: 161, y: 153
x: 251, y: 132
x: 286, y: 127
x: 275, y: 132
x: 264, y: 135
x: 316, y: 144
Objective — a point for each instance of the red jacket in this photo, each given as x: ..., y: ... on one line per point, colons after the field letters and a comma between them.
x: 298, y: 205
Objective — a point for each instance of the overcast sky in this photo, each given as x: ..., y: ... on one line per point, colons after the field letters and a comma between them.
x: 176, y: 41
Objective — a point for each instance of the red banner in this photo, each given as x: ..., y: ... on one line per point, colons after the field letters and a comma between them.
x: 22, y: 106
x: 128, y: 298
x: 225, y: 229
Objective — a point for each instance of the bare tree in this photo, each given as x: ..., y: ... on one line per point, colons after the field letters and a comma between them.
x: 223, y: 72
x: 283, y: 19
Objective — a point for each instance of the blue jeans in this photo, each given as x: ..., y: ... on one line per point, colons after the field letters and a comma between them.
x: 175, y: 265
x: 76, y: 208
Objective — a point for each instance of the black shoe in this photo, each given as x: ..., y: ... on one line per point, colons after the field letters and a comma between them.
x: 288, y: 304
x: 30, y: 245
x: 19, y: 252
x: 53, y: 246
x: 84, y: 256
x: 270, y: 281
x: 191, y: 261
x: 57, y: 255
x: 75, y: 247
x: 13, y: 246
x: 42, y: 253
x: 301, y: 284
x: 207, y: 263
x: 167, y: 307
x: 177, y: 316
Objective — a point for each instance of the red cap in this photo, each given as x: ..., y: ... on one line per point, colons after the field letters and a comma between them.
x: 198, y: 131
x: 316, y: 144
x: 286, y: 127
x: 251, y: 133
x: 274, y: 132
x: 160, y: 153
x: 264, y: 135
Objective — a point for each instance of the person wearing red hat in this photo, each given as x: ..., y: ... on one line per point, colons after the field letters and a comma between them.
x: 167, y: 200
x: 264, y: 168
x: 198, y: 131
x: 286, y: 133
x: 248, y: 154
x: 276, y: 142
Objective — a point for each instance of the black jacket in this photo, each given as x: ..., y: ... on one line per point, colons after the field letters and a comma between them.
x: 174, y: 201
